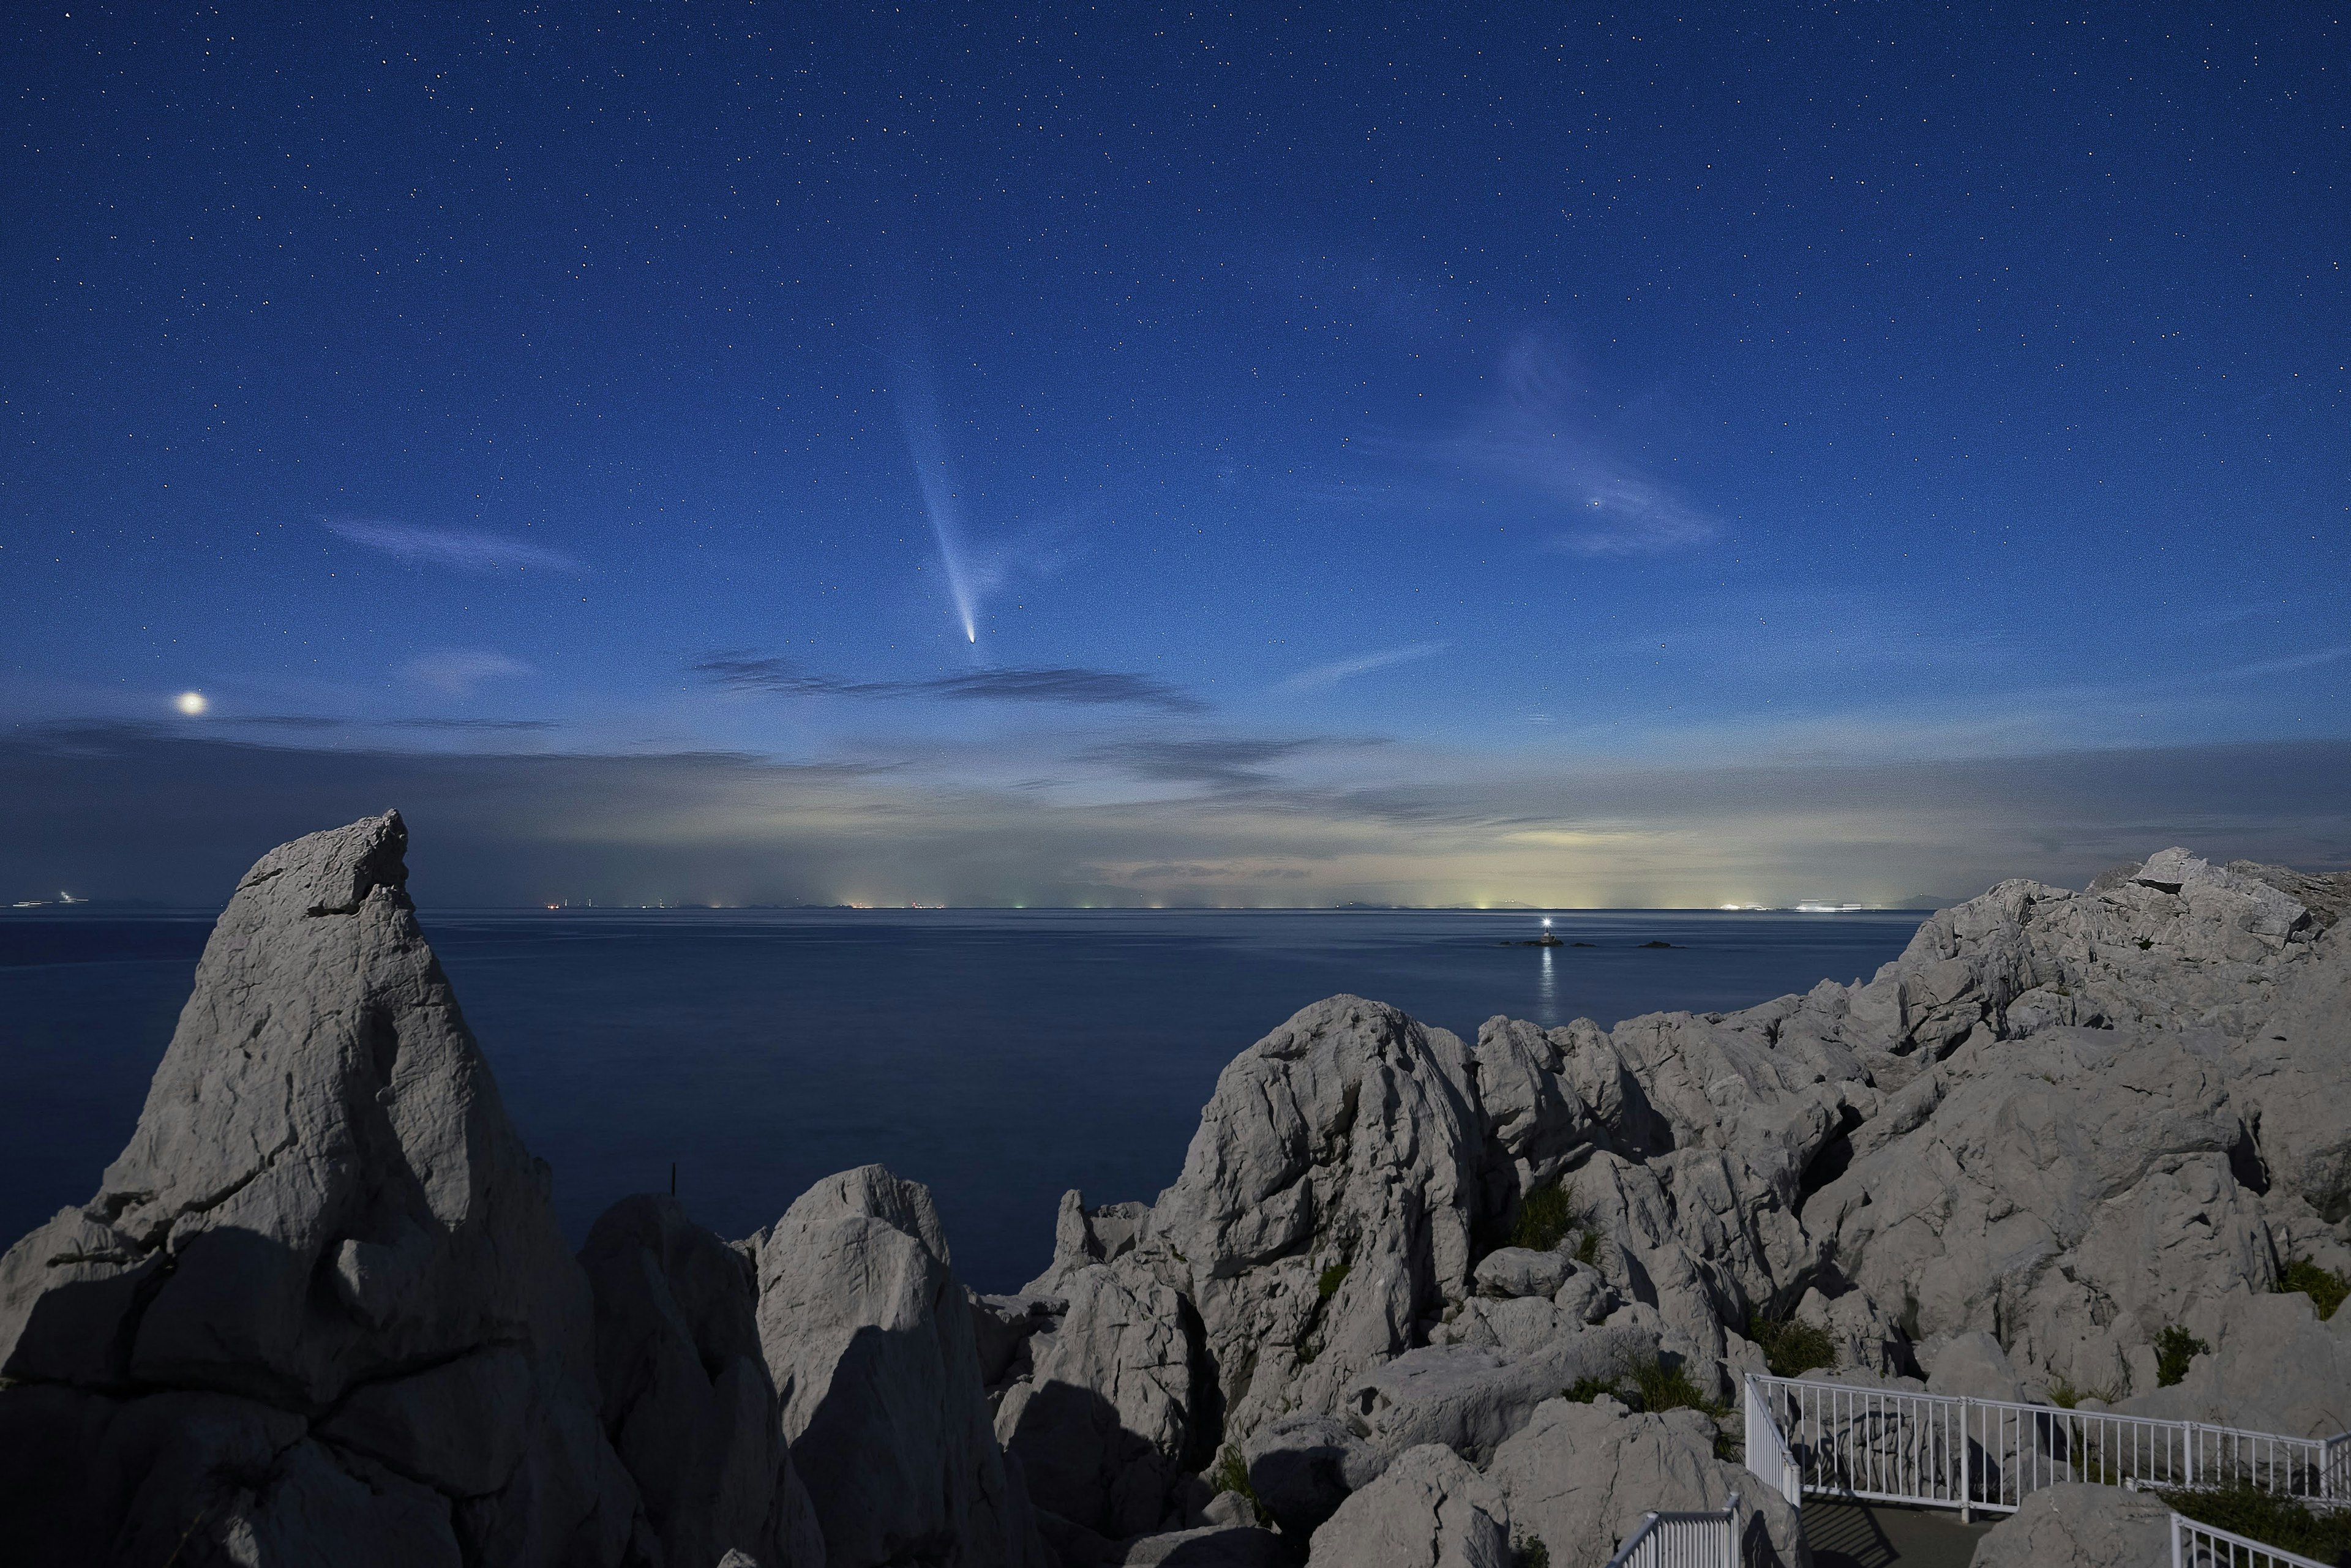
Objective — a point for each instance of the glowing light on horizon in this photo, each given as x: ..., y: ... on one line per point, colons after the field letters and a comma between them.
x: 192, y: 704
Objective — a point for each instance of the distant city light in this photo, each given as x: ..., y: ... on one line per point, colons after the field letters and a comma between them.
x: 191, y: 703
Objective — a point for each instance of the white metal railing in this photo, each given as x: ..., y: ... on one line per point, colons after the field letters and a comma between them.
x: 1683, y: 1541
x: 2195, y: 1545
x: 1890, y: 1445
x: 1767, y: 1449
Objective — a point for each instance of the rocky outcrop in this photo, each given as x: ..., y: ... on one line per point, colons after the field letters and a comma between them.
x: 868, y: 1334
x: 2075, y: 1526
x: 1580, y: 1476
x: 2268, y: 1364
x: 1103, y: 1426
x: 320, y: 1309
x: 1322, y: 1218
x: 321, y: 1298
x: 1303, y: 1468
x: 1428, y: 1509
x: 686, y: 1400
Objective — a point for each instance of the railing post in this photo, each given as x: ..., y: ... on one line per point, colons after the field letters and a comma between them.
x: 2175, y: 1562
x: 1966, y: 1465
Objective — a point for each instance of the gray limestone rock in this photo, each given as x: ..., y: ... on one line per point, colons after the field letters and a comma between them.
x: 1428, y: 1509
x: 1472, y: 1400
x: 868, y: 1336
x: 2296, y: 1080
x: 323, y: 1215
x: 1303, y: 1468
x: 2070, y: 1193
x: 2271, y: 1366
x: 1104, y: 1426
x: 1579, y: 1478
x: 688, y: 1401
x: 1973, y: 1366
x: 1082, y: 1236
x: 2080, y: 1526
x: 1325, y: 1205
x: 1522, y: 1271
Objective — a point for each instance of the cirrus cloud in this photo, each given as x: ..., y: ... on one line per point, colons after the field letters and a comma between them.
x: 460, y: 550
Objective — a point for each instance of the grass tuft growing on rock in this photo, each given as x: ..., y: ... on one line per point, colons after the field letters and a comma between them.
x: 1231, y: 1474
x: 2325, y: 1286
x: 1791, y: 1347
x: 2065, y: 1397
x: 2174, y: 1347
x: 1527, y: 1552
x: 1584, y: 1390
x: 1547, y: 1217
x: 1327, y: 1286
x: 1661, y: 1388
x: 2284, y: 1522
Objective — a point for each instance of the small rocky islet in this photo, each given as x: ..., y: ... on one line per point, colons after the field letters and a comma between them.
x: 1393, y: 1311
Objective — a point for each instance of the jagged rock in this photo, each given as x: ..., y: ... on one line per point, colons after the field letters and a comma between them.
x: 2297, y: 1079
x: 867, y: 1334
x: 1325, y: 1205
x: 1082, y: 1236
x: 2271, y: 1366
x: 1521, y: 1272
x: 1001, y: 1330
x: 1579, y: 1478
x: 2070, y: 1193
x: 1104, y: 1426
x: 1973, y: 1366
x: 1303, y: 1468
x: 2077, y: 1525
x: 1472, y: 1400
x: 196, y: 1480
x: 325, y: 1215
x: 687, y: 1403
x: 1428, y: 1509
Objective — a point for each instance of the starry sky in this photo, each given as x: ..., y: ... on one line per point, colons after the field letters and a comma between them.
x: 751, y: 452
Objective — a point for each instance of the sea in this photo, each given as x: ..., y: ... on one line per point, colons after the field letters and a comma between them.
x: 1000, y: 1056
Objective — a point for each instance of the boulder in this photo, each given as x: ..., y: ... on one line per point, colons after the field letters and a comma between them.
x: 324, y: 1218
x: 1515, y: 1271
x: 1972, y: 1365
x: 1579, y: 1478
x: 2075, y: 1525
x: 1210, y: 1546
x: 1428, y: 1509
x: 867, y: 1334
x: 1303, y: 1468
x: 1472, y: 1400
x: 686, y: 1401
x: 1105, y: 1425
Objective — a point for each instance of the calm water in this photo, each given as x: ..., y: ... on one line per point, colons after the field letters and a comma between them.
x: 1000, y: 1056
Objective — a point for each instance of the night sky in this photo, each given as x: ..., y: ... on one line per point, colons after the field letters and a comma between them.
x: 732, y: 452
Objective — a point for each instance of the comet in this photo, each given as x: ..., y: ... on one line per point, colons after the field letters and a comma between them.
x: 918, y: 413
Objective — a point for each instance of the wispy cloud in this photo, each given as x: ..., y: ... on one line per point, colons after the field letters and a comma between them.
x: 455, y: 672
x: 780, y: 677
x: 458, y: 549
x: 1537, y: 436
x: 1332, y: 674
x: 1223, y: 763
